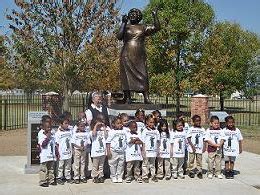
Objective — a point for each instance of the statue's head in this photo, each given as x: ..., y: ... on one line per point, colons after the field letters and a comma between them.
x: 135, y: 16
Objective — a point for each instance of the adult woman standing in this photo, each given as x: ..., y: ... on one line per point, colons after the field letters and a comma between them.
x: 133, y: 67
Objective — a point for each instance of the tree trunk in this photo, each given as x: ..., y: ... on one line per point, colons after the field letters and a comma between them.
x: 221, y: 100
x: 65, y: 105
x: 177, y: 77
x: 178, y: 103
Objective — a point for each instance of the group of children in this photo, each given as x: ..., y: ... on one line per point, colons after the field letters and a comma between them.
x: 138, y: 149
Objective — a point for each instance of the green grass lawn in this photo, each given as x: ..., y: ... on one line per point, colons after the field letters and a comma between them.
x: 250, y: 131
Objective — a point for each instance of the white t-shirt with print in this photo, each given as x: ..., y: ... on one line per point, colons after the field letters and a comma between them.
x: 165, y: 145
x: 63, y: 139
x: 150, y: 139
x: 214, y: 136
x: 179, y: 140
x: 133, y: 151
x: 197, y: 136
x: 81, y: 139
x: 48, y: 152
x: 117, y: 140
x: 40, y: 133
x: 140, y: 127
x: 126, y: 129
x: 186, y: 127
x: 231, y: 144
x: 98, y: 144
x: 75, y: 128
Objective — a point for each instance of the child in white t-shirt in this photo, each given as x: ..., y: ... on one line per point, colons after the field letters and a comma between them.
x: 232, y: 146
x: 133, y: 154
x: 63, y: 142
x: 98, y: 150
x: 139, y: 119
x: 186, y: 129
x: 46, y: 119
x: 116, y: 145
x: 178, y: 138
x: 196, y: 147
x: 151, y: 141
x: 215, y: 139
x: 46, y: 141
x: 165, y: 151
x: 80, y: 141
x: 82, y: 118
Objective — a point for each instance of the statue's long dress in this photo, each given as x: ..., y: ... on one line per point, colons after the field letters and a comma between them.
x: 133, y: 67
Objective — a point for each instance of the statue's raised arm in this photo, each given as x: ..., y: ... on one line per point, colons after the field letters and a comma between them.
x: 121, y: 31
x: 156, y: 24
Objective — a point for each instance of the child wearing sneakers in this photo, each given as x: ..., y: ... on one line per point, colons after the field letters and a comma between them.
x: 98, y: 150
x: 151, y: 140
x: 46, y: 141
x: 214, y: 138
x: 178, y: 138
x: 196, y: 147
x: 80, y: 141
x: 63, y: 142
x: 232, y: 146
x: 165, y: 151
x: 116, y: 145
x: 133, y: 154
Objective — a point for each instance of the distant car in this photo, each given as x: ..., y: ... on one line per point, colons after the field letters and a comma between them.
x: 239, y: 97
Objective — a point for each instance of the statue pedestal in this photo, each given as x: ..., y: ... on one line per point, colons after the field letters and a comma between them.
x: 130, y: 109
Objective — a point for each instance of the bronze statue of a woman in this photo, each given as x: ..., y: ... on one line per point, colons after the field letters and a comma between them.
x: 133, y: 67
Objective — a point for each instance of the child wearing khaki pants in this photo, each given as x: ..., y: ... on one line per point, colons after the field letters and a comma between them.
x: 98, y: 150
x: 165, y: 151
x: 46, y: 142
x: 215, y: 139
x: 80, y: 141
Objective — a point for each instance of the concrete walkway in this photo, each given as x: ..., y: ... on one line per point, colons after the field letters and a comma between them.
x: 14, y: 181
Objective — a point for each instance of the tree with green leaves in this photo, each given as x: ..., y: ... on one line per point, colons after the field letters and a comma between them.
x: 7, y: 80
x: 51, y: 39
x: 226, y: 59
x: 171, y: 52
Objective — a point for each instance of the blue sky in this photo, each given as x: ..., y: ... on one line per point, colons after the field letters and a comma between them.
x: 240, y: 11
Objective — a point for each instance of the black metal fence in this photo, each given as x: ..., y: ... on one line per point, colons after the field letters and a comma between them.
x: 14, y: 108
x: 245, y: 111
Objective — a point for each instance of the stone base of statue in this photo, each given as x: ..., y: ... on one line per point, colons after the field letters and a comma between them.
x: 130, y: 109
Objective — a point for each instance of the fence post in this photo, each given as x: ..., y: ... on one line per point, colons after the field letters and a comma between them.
x: 5, y: 114
x: 84, y: 103
x: 1, y: 118
x: 250, y: 109
x: 167, y: 100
